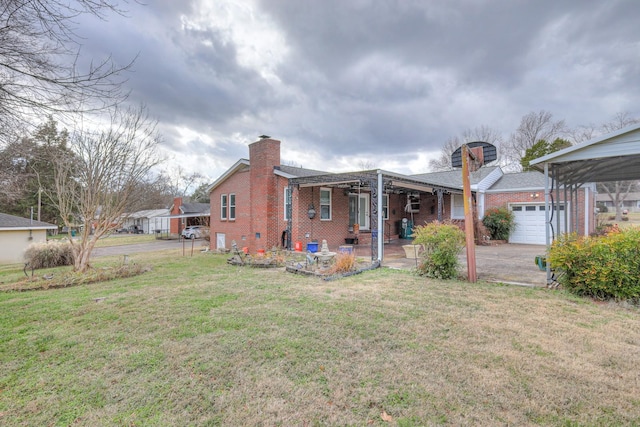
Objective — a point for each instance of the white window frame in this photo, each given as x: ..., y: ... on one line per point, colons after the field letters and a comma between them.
x: 385, y: 207
x: 457, y: 210
x: 322, y: 189
x: 287, y: 198
x: 224, y: 203
x: 232, y: 206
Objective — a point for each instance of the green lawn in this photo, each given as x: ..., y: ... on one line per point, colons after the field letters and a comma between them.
x: 199, y: 342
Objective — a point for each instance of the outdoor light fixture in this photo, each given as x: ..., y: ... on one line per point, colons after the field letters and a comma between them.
x: 534, y: 195
x: 311, y: 212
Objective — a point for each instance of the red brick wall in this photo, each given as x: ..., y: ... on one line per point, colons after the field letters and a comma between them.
x: 175, y: 224
x: 240, y: 228
x: 264, y: 155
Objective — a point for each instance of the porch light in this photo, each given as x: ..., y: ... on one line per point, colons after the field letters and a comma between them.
x: 311, y: 212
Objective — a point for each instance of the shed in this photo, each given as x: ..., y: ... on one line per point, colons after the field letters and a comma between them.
x: 17, y: 233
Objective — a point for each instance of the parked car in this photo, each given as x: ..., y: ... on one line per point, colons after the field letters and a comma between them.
x: 195, y: 232
x: 135, y: 229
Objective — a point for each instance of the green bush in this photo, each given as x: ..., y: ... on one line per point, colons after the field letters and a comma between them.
x: 442, y: 243
x: 49, y: 254
x: 500, y: 222
x: 602, y: 267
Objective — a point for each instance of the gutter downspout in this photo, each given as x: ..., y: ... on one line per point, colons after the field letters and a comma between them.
x: 547, y: 218
x: 380, y: 219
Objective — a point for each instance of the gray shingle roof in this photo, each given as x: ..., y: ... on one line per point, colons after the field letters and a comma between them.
x: 519, y: 181
x: 453, y: 178
x: 15, y: 222
x: 300, y: 172
x: 188, y: 208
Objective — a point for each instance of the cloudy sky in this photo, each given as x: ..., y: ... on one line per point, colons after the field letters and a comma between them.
x: 379, y: 82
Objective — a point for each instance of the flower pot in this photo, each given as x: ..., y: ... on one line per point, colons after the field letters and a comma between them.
x: 412, y: 251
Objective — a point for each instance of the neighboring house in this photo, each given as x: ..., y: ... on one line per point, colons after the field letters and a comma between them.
x: 259, y: 203
x: 17, y: 233
x: 149, y: 220
x: 631, y: 202
x: 183, y: 215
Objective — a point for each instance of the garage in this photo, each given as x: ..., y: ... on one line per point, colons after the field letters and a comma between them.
x: 530, y: 223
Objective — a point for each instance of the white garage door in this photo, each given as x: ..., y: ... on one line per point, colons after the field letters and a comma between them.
x: 530, y: 225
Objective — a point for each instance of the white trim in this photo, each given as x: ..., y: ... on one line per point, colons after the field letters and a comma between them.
x: 330, y: 204
x: 453, y: 197
x: 224, y: 214
x: 233, y: 169
x: 234, y: 207
x: 284, y: 204
x: 385, y: 196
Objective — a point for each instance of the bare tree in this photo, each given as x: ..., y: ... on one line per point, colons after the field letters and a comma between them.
x: 533, y: 127
x: 481, y: 133
x: 443, y: 161
x: 96, y: 182
x: 179, y: 182
x: 39, y: 62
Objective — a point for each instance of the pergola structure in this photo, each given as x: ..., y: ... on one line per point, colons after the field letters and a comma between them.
x: 611, y: 157
x: 378, y: 182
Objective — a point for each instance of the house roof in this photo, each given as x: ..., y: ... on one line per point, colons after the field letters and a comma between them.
x: 295, y: 172
x: 12, y: 222
x: 148, y: 213
x: 454, y: 177
x: 196, y: 208
x: 612, y: 157
x: 522, y: 181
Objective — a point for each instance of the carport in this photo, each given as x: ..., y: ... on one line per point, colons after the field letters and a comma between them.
x: 611, y: 157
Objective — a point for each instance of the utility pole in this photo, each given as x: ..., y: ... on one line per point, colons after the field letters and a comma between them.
x: 39, y: 201
x: 468, y: 214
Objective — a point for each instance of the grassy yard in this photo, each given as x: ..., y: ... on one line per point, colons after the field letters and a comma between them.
x: 198, y: 342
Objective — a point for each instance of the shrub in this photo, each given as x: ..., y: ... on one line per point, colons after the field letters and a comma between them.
x: 500, y: 222
x: 344, y: 263
x: 602, y: 267
x: 49, y: 254
x: 442, y: 243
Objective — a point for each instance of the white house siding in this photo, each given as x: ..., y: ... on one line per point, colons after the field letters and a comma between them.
x: 13, y: 244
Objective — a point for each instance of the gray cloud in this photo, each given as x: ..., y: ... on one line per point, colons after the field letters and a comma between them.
x: 384, y: 80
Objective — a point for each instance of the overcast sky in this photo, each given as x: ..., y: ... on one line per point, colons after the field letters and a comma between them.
x: 385, y: 83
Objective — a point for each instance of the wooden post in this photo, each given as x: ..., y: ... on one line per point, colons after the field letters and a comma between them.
x: 468, y: 216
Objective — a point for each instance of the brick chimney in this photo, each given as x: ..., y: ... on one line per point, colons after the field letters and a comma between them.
x: 264, y: 155
x: 175, y: 223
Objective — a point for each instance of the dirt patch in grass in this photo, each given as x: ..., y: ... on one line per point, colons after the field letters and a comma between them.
x: 198, y: 342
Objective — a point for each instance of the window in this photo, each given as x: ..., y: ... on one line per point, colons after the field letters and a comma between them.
x: 457, y: 206
x: 385, y: 206
x: 287, y: 203
x: 325, y: 203
x: 232, y: 207
x: 223, y: 206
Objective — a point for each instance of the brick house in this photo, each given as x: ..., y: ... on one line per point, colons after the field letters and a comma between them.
x: 184, y: 214
x: 260, y: 203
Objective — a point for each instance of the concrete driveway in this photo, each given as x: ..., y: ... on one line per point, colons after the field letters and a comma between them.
x: 508, y: 263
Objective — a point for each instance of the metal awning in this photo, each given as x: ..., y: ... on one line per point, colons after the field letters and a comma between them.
x: 391, y: 181
x: 612, y: 157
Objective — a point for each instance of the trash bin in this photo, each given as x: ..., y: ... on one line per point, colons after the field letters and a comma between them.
x: 312, y: 247
x: 73, y: 233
